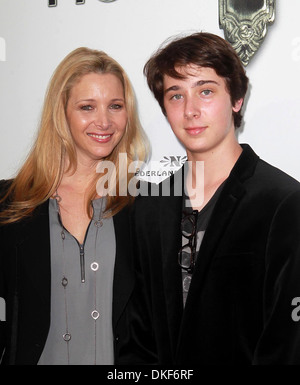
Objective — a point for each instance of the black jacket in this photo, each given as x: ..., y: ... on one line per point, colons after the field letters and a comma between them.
x: 239, y: 307
x: 25, y: 282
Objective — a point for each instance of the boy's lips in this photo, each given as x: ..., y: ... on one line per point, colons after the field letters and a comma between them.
x: 195, y: 130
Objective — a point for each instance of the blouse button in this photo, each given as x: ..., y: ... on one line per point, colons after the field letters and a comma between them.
x: 67, y: 337
x: 94, y: 266
x: 95, y: 315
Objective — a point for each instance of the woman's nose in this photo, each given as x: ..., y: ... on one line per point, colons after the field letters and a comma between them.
x: 102, y: 119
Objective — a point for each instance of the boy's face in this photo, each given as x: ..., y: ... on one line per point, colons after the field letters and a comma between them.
x: 199, y: 109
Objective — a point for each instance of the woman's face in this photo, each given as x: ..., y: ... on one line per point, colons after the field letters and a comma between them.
x: 96, y: 115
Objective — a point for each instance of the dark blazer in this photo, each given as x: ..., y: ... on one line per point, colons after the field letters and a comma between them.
x: 239, y: 307
x: 25, y: 282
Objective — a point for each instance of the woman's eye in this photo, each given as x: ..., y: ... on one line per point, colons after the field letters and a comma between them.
x: 116, y: 106
x: 86, y: 107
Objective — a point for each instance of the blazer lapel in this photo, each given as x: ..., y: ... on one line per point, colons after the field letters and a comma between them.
x: 233, y: 191
x: 225, y: 206
x: 33, y: 251
x: 170, y: 211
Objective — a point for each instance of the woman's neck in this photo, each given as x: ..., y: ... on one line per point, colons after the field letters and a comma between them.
x: 80, y: 179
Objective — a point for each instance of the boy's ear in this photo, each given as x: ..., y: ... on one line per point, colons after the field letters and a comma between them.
x: 238, y: 105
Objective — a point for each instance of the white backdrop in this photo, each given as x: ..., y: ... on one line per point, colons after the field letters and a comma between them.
x: 35, y: 38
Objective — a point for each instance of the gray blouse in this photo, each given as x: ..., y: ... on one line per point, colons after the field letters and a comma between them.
x: 81, y: 292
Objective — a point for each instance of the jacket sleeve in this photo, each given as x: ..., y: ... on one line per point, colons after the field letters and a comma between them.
x: 3, y: 188
x: 3, y: 321
x: 279, y: 343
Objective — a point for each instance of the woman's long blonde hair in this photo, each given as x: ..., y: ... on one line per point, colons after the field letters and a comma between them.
x: 40, y: 176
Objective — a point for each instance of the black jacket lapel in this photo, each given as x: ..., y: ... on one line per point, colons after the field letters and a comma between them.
x: 31, y: 260
x: 33, y: 248
x: 232, y: 193
x: 228, y: 200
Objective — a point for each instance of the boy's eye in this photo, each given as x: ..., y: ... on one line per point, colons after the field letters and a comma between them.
x: 206, y: 92
x: 176, y: 97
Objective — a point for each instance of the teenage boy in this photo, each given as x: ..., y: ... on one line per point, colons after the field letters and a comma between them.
x: 218, y: 277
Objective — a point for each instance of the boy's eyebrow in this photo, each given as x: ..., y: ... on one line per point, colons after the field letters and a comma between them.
x: 173, y: 88
x: 202, y: 82
x: 196, y: 84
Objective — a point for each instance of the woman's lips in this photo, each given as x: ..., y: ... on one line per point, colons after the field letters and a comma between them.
x: 195, y: 130
x: 100, y: 138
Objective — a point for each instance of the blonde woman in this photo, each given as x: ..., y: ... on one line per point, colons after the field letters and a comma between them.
x: 65, y: 256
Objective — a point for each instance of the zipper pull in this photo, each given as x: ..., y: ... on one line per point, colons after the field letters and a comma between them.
x: 82, y: 263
